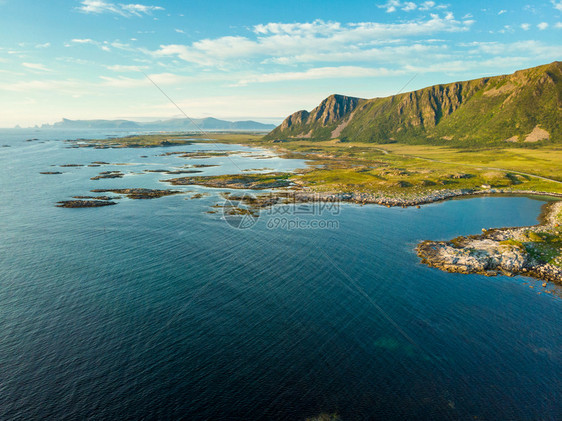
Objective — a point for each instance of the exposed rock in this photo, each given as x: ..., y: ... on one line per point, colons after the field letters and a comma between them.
x: 332, y: 109
x: 486, y: 110
x: 174, y: 171
x: 537, y: 135
x: 84, y: 203
x: 236, y: 181
x: 507, y: 251
x: 300, y: 117
x: 139, y: 193
x: 108, y: 174
x: 106, y: 198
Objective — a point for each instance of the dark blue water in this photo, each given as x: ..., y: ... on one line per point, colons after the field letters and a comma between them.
x: 156, y: 309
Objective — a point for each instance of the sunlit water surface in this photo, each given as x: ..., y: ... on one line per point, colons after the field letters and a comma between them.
x: 157, y: 309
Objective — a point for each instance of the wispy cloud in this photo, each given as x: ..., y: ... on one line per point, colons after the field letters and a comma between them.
x: 83, y: 41
x: 126, y: 10
x: 318, y: 73
x: 525, y: 26
x: 44, y: 45
x: 125, y: 68
x: 392, y: 6
x: 36, y: 66
x: 542, y: 26
x: 530, y: 49
x: 66, y: 85
x: 127, y: 82
x: 557, y: 4
x: 501, y: 12
x: 139, y: 9
x: 279, y: 42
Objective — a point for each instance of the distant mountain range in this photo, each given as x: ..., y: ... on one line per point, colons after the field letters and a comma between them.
x: 523, y: 107
x: 172, y: 124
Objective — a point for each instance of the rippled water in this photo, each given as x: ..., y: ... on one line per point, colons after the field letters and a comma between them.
x: 156, y: 309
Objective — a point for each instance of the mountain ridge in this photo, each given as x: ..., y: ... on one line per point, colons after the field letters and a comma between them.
x: 208, y: 123
x: 523, y: 107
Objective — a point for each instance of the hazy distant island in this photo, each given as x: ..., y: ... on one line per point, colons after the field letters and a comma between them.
x: 175, y: 124
x: 494, y: 135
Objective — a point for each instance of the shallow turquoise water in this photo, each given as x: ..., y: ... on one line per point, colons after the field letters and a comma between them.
x: 156, y: 309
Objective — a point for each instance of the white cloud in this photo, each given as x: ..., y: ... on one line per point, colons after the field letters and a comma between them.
x: 318, y: 73
x: 36, y: 66
x: 278, y: 42
x: 127, y: 10
x: 68, y: 86
x: 83, y: 41
x: 139, y: 9
x: 45, y: 45
x: 525, y: 26
x: 501, y: 12
x: 179, y: 31
x: 389, y: 54
x: 409, y: 6
x: 393, y: 5
x: 542, y: 26
x: 558, y: 25
x: 127, y: 82
x: 530, y: 49
x: 123, y: 68
x: 557, y: 5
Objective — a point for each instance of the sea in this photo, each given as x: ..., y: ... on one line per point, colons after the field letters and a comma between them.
x: 162, y: 309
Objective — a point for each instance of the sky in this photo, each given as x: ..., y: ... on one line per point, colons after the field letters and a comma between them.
x: 258, y: 59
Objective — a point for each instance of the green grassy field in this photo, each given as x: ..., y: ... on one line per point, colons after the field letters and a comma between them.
x: 393, y: 168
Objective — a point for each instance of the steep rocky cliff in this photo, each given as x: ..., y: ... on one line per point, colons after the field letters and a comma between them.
x: 523, y: 107
x: 303, y: 124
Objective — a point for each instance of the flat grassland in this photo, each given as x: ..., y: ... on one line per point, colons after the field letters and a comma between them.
x: 391, y: 169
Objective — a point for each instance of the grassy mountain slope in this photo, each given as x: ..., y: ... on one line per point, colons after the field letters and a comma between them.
x: 525, y: 108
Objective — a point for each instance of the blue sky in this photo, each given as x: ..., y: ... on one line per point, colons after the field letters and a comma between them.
x: 84, y: 59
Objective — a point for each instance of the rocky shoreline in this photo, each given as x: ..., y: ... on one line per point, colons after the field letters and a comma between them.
x: 408, y: 200
x: 528, y: 251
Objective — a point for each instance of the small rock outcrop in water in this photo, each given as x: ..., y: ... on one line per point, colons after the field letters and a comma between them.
x: 531, y: 251
x: 139, y: 193
x: 108, y: 174
x: 236, y: 181
x: 84, y: 203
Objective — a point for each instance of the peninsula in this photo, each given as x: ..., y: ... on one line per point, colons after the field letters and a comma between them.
x: 494, y: 135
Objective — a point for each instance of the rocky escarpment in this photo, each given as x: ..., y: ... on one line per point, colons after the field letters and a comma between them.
x: 325, y: 117
x: 531, y: 251
x: 522, y: 107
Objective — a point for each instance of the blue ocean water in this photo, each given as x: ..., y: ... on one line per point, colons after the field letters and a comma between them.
x: 155, y: 309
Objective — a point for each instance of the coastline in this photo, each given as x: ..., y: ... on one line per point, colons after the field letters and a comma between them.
x: 383, y: 199
x: 508, y: 251
x: 526, y: 251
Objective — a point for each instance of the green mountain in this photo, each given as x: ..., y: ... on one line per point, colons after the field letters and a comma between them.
x: 524, y: 107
